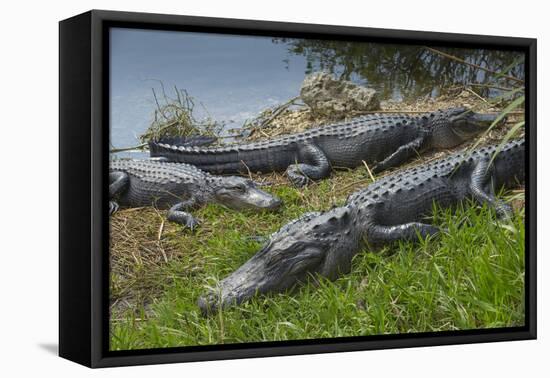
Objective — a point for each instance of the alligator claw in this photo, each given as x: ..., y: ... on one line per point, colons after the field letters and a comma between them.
x: 504, y: 212
x: 376, y: 168
x: 264, y: 183
x: 191, y: 223
x: 183, y: 218
x: 113, y: 207
x: 297, y: 180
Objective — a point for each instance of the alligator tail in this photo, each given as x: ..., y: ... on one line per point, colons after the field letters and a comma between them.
x: 186, y: 141
x: 213, y: 159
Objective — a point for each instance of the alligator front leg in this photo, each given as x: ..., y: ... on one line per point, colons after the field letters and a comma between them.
x: 378, y: 234
x: 482, y: 189
x: 401, y: 155
x: 178, y: 214
x: 315, y: 165
x: 118, y: 182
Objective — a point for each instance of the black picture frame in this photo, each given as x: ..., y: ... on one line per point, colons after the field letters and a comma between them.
x: 83, y: 197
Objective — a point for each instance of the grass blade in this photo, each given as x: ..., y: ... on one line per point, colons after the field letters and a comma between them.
x: 457, y: 59
x: 511, y: 106
x: 507, y: 69
x: 506, y: 138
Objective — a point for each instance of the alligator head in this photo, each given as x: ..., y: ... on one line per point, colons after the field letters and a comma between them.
x: 240, y: 193
x: 454, y: 126
x: 316, y: 243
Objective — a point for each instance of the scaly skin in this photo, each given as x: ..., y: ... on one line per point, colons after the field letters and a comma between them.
x: 136, y: 183
x: 381, y: 141
x: 391, y: 209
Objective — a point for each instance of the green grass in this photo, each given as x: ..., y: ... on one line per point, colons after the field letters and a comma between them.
x: 471, y: 277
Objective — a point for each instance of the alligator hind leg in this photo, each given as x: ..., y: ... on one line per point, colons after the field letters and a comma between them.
x: 401, y: 155
x: 315, y: 166
x: 482, y: 189
x: 178, y: 214
x: 406, y: 232
x: 118, y: 182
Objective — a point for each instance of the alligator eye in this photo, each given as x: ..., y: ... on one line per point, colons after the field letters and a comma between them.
x: 239, y: 188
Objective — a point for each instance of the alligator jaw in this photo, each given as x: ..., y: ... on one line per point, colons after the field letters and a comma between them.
x: 483, y: 120
x: 469, y: 124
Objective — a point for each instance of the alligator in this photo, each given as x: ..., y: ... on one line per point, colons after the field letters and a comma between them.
x: 391, y: 209
x: 380, y: 140
x: 180, y: 187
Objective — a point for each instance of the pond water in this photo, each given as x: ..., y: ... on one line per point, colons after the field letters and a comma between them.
x: 236, y: 77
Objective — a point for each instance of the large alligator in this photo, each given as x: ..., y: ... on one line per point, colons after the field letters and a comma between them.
x: 391, y: 209
x: 180, y: 187
x: 382, y: 141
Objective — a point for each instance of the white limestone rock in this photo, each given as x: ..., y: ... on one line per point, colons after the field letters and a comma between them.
x: 328, y: 96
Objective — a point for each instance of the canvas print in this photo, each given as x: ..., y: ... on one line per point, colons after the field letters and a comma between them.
x: 282, y: 189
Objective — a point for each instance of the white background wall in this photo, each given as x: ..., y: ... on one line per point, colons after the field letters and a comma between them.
x: 28, y: 160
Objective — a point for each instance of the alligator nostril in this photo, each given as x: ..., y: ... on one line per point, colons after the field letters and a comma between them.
x: 275, y: 204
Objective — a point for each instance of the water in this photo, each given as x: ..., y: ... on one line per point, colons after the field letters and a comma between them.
x: 408, y: 71
x: 236, y: 77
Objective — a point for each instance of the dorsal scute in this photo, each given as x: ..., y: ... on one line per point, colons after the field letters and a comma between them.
x: 158, y: 171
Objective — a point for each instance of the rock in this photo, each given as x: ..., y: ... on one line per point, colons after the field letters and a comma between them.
x: 330, y: 97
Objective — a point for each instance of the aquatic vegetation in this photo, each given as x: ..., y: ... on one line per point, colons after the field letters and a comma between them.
x: 176, y: 116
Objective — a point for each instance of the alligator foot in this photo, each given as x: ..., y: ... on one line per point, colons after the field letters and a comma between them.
x: 191, y: 222
x: 177, y: 215
x: 401, y: 155
x: 113, y: 207
x: 183, y: 218
x: 503, y: 210
x: 483, y: 191
x: 376, y: 168
x: 316, y: 168
x: 296, y: 178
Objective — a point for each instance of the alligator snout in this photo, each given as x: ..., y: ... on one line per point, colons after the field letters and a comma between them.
x: 235, y: 289
x: 208, y: 304
x: 471, y: 123
x: 257, y: 199
x: 486, y: 119
x: 274, y: 204
x: 212, y: 303
x: 239, y: 193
